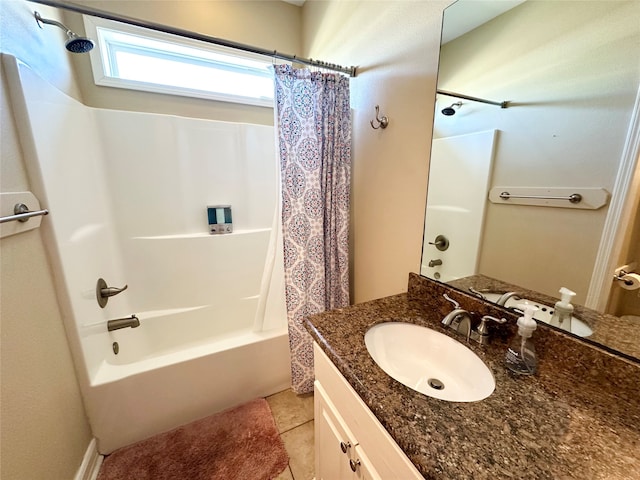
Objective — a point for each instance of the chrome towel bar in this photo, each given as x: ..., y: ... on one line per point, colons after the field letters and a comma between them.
x: 21, y: 213
x: 573, y: 198
x: 583, y: 198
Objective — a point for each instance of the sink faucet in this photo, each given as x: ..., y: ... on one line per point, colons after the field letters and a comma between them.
x: 125, y: 322
x: 477, y: 293
x: 458, y: 319
x: 481, y: 334
x: 506, y: 296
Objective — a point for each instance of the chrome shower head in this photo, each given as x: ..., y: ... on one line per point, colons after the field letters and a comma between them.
x: 450, y: 110
x: 74, y: 43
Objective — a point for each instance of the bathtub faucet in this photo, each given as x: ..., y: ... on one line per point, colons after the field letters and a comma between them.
x: 125, y: 322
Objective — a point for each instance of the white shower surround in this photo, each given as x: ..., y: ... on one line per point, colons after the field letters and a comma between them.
x: 457, y: 213
x: 128, y: 193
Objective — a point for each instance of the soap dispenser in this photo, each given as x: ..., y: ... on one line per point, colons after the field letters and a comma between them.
x: 521, y: 355
x: 563, y: 310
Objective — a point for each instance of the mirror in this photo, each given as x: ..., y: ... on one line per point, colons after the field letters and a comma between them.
x: 569, y: 72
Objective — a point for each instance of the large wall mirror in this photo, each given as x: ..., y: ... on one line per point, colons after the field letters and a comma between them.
x: 569, y: 72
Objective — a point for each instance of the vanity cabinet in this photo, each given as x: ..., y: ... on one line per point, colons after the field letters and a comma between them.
x: 350, y: 443
x: 338, y: 454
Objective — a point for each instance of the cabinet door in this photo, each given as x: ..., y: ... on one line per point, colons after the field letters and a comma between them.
x: 373, y: 440
x: 334, y: 446
x: 363, y: 468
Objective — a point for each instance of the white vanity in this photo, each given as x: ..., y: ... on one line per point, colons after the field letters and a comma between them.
x: 350, y: 442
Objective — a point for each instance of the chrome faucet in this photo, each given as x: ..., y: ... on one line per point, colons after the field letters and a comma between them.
x: 125, y: 322
x: 458, y: 319
x: 481, y: 334
x: 506, y: 296
x: 477, y: 293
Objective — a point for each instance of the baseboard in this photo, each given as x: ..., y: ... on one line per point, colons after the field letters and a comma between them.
x: 90, y: 463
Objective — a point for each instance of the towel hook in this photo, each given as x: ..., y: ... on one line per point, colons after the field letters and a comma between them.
x: 383, y: 122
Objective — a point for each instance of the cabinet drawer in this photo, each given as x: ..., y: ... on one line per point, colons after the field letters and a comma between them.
x: 384, y: 454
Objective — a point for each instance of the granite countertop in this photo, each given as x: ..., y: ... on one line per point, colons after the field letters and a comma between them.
x: 578, y: 418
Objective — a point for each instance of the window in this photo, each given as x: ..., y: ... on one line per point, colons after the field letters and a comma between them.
x: 141, y: 59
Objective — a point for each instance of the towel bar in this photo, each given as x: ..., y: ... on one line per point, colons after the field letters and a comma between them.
x: 21, y: 213
x: 573, y: 198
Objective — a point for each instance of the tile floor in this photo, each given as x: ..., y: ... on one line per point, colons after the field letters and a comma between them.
x: 294, y: 418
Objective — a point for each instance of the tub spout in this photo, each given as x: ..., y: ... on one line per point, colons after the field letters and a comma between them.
x: 119, y: 323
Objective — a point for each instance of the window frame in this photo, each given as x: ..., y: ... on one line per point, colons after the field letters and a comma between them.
x: 103, y: 62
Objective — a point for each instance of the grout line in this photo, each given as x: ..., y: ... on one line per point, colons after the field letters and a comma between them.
x: 303, y: 423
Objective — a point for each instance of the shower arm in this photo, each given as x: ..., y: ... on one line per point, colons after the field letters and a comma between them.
x: 48, y: 21
x: 504, y: 104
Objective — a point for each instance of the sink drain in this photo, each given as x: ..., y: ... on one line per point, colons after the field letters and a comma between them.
x: 435, y: 384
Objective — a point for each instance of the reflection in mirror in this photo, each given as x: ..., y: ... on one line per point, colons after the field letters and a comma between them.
x: 570, y: 72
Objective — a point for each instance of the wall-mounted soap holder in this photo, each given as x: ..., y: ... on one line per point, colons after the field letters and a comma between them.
x: 220, y: 219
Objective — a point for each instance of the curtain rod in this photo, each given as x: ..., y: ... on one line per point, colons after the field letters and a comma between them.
x: 504, y: 104
x: 351, y: 71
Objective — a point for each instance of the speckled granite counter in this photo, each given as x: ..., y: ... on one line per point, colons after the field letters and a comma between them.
x: 578, y: 418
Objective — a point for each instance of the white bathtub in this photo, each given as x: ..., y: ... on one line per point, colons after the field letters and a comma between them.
x: 131, y: 401
x: 184, y: 363
x: 127, y: 194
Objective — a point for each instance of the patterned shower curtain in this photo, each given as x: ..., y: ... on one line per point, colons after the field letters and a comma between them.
x: 313, y: 121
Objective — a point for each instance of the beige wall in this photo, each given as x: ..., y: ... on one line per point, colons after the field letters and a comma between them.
x: 395, y: 45
x: 44, y: 429
x: 270, y: 24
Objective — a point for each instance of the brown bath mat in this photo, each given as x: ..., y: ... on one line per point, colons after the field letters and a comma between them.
x: 240, y: 443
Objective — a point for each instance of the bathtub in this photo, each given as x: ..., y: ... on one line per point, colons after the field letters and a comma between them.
x: 143, y: 393
x: 127, y: 194
x: 187, y: 362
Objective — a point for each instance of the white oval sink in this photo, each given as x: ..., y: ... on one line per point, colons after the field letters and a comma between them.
x: 429, y: 362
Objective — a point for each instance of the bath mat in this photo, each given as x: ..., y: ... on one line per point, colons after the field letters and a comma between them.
x: 241, y: 443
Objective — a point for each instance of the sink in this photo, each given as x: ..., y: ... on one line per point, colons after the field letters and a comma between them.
x: 429, y: 362
x: 544, y: 313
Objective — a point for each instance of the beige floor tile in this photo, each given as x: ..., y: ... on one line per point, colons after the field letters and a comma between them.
x: 285, y: 475
x: 290, y: 410
x: 299, y: 445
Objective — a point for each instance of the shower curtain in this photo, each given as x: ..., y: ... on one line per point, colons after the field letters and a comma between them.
x: 313, y: 122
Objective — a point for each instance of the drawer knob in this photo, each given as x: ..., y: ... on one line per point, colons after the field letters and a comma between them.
x: 354, y: 464
x: 345, y: 446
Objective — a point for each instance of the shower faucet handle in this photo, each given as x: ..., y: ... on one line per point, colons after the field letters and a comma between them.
x: 111, y: 291
x: 441, y: 243
x: 103, y: 292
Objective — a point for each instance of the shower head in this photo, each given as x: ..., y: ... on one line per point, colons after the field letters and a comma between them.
x: 450, y: 110
x: 74, y: 43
